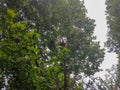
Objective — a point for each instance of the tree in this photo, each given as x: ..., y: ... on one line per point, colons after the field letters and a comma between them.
x: 100, y: 83
x: 18, y: 52
x: 38, y: 26
x: 110, y: 80
x: 113, y: 20
x: 69, y: 20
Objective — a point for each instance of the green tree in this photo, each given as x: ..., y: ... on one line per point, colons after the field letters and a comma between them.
x: 19, y: 52
x: 109, y: 83
x: 67, y: 18
x: 113, y: 21
x: 31, y: 31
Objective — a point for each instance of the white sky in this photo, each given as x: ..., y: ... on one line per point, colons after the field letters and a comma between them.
x: 96, y: 10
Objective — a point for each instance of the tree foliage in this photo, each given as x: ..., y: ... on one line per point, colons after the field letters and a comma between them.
x: 31, y: 56
x: 108, y: 82
x: 113, y: 21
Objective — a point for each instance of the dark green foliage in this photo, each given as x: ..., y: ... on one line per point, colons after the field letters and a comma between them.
x: 30, y: 53
x: 113, y: 21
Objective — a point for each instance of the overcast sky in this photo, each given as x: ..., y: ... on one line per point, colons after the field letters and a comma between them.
x: 96, y: 10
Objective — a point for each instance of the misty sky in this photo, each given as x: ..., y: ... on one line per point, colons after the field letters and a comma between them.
x: 96, y: 10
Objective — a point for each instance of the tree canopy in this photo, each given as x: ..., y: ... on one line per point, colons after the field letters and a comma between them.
x: 31, y: 56
x: 113, y: 21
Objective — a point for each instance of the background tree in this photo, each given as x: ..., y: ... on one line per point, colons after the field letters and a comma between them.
x: 99, y: 83
x: 113, y: 20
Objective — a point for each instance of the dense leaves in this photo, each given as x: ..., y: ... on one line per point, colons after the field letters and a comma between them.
x: 31, y: 56
x: 18, y: 52
x: 113, y: 20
